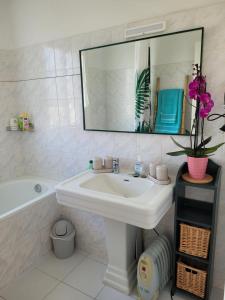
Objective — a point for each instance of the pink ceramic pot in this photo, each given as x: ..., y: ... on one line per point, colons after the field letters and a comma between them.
x: 197, y: 166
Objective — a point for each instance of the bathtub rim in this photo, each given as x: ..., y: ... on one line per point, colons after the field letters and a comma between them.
x: 50, y: 192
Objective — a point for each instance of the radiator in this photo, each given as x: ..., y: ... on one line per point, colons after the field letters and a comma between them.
x: 154, y: 269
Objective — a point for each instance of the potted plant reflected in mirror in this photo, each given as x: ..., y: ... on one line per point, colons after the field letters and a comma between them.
x: 198, y: 151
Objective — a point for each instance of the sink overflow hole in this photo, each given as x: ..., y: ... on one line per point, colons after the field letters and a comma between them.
x: 127, y: 180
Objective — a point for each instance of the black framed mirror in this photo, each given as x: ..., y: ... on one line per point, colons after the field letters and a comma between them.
x: 140, y: 86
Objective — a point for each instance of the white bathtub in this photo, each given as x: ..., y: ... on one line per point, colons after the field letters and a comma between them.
x: 19, y: 193
x: 26, y: 219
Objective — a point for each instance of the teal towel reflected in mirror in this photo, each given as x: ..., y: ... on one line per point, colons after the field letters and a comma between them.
x: 169, y: 112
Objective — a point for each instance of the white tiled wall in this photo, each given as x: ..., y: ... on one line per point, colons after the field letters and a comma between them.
x: 95, y: 105
x: 60, y: 148
x: 120, y: 99
x: 11, y: 162
x: 173, y: 75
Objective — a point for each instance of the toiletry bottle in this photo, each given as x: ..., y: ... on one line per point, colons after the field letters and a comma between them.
x: 138, y: 167
x: 90, y: 165
x: 25, y: 123
x: 31, y: 125
x: 116, y: 165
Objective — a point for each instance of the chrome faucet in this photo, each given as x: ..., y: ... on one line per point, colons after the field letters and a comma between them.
x: 116, y: 165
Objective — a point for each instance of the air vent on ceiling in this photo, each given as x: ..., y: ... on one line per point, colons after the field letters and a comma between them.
x: 145, y: 29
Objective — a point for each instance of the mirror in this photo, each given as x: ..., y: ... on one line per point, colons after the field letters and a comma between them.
x: 141, y: 85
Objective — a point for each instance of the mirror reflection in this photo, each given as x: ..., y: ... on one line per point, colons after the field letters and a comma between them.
x: 141, y: 86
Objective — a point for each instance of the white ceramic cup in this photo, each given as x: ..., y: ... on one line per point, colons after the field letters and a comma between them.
x: 13, y: 122
x: 162, y: 172
x: 97, y: 163
x: 152, y: 170
x: 108, y: 162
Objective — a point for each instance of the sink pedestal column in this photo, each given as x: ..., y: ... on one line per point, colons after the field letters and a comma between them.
x: 121, y: 239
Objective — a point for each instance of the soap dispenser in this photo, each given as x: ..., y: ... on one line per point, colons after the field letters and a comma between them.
x: 139, y: 166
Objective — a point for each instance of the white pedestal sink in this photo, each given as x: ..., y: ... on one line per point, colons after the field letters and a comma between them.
x: 127, y: 204
x: 121, y: 272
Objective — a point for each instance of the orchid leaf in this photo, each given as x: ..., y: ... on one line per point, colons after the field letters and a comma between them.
x: 179, y: 145
x: 205, y: 142
x: 177, y: 153
x: 212, y: 149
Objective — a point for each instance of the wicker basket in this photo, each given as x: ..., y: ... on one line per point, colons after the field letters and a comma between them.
x: 191, y: 279
x: 194, y: 240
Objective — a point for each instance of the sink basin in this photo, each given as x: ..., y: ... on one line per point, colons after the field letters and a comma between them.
x: 122, y: 186
x: 127, y: 204
x: 121, y: 197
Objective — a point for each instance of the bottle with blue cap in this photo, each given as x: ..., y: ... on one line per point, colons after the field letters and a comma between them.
x: 139, y: 166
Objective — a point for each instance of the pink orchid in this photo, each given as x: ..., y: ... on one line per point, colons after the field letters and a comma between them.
x: 194, y: 85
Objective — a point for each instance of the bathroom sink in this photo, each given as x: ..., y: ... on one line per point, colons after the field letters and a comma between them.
x: 122, y: 186
x: 126, y: 203
x: 121, y: 197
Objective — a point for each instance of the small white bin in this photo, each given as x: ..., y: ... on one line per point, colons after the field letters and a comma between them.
x: 63, y: 238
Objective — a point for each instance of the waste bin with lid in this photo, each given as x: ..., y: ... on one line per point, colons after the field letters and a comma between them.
x: 63, y: 238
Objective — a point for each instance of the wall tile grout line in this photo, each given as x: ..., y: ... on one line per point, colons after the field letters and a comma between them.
x: 40, y: 78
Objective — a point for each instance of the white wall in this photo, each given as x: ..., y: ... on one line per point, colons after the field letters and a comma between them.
x: 5, y: 25
x: 179, y: 48
x: 111, y: 58
x: 44, y: 20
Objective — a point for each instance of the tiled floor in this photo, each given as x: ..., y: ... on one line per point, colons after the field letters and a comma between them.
x: 76, y: 278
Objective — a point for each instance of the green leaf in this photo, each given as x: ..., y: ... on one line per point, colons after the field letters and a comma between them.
x: 143, y: 93
x: 205, y: 142
x: 144, y: 76
x: 179, y: 145
x: 177, y: 153
x: 212, y: 149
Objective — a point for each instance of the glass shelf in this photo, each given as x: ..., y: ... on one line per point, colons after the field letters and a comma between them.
x: 16, y: 130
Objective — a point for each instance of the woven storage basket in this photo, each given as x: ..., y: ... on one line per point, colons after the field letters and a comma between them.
x: 194, y: 240
x: 191, y: 279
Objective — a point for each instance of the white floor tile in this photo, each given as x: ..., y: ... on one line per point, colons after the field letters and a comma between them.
x: 87, y: 277
x: 59, y: 268
x: 65, y: 292
x: 217, y: 294
x: 33, y: 285
x: 165, y: 295
x: 102, y: 260
x: 111, y: 294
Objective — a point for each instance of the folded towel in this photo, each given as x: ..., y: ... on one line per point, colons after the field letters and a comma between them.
x: 169, y: 113
x: 168, y: 118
